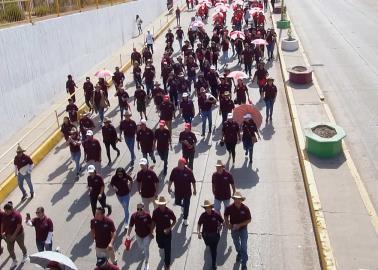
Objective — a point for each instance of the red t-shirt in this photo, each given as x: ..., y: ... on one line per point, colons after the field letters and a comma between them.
x: 148, y: 180
x: 190, y: 137
x: 237, y: 215
x: 103, y: 230
x: 128, y: 127
x: 146, y: 140
x: 162, y: 137
x: 163, y: 219
x: 142, y: 221
x: 166, y: 111
x: 122, y: 184
x: 92, y: 149
x: 210, y: 222
x: 95, y: 183
x: 10, y: 223
x: 221, y: 184
x: 230, y: 130
x: 42, y: 228
x: 182, y: 180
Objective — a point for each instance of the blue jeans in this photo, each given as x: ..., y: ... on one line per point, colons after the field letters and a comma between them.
x: 225, y: 57
x: 190, y: 80
x: 270, y: 49
x: 20, y: 180
x: 101, y: 113
x: 269, y: 108
x: 76, y: 158
x: 124, y: 200
x: 248, y: 147
x: 218, y: 204
x: 206, y: 115
x: 130, y: 142
x: 240, y: 238
x: 41, y: 246
x: 180, y: 43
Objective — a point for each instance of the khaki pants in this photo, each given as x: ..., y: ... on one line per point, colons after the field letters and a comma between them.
x: 20, y: 242
x: 106, y: 253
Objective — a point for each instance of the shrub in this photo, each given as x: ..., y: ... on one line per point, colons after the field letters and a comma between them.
x: 41, y: 11
x: 13, y: 13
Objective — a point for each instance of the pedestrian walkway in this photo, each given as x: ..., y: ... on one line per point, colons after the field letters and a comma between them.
x: 280, y: 235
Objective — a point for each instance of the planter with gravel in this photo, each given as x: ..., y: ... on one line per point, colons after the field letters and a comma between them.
x: 290, y: 43
x: 300, y: 75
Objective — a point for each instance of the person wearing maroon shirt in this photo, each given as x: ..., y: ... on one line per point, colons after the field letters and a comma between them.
x: 200, y: 55
x: 66, y: 127
x: 165, y: 71
x: 147, y: 183
x: 104, y: 264
x: 167, y: 112
x: 43, y: 229
x: 85, y: 124
x: 241, y: 91
x: 157, y: 94
x: 221, y: 182
x: 213, y: 78
x: 12, y: 231
x: 72, y: 110
x: 74, y: 143
x: 103, y: 233
x: 224, y: 86
x: 230, y: 135
x: 118, y: 78
x: 162, y: 142
x: 210, y: 222
x: 225, y: 47
x: 237, y: 217
x: 188, y: 142
x: 136, y: 57
x: 187, y: 108
x: 109, y: 137
x: 88, y: 92
x: 128, y: 127
x: 270, y: 94
x: 23, y: 166
x: 169, y: 37
x: 205, y: 104
x: 183, y: 179
x: 201, y: 83
x: 96, y: 187
x: 70, y: 87
x: 226, y: 105
x: 143, y: 230
x: 163, y: 219
x: 271, y: 39
x: 92, y: 151
x: 248, y: 59
x: 123, y: 98
x: 261, y: 74
x: 146, y: 53
x: 145, y: 140
x: 149, y: 76
x: 249, y: 139
x: 191, y: 67
x: 122, y: 183
x: 140, y: 100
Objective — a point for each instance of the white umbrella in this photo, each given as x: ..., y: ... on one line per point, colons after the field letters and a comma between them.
x: 104, y: 73
x: 44, y: 258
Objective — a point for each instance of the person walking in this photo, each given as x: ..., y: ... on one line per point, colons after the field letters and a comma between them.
x: 72, y: 110
x: 271, y: 37
x: 92, y: 151
x: 85, y: 124
x: 12, y: 231
x: 205, y: 104
x: 241, y: 91
x: 187, y: 110
x: 143, y: 230
x: 183, y: 179
x: 96, y: 187
x: 226, y: 105
x: 66, y: 127
x: 188, y: 142
x: 122, y: 183
x: 237, y: 217
x: 167, y: 112
x: 128, y: 127
x: 180, y: 36
x: 250, y: 134
x: 88, y: 92
x: 208, y: 228
x: 162, y: 142
x: 99, y: 102
x: 70, y: 87
x: 178, y: 16
x: 110, y: 138
x: 123, y: 98
x: 230, y: 136
x: 75, y: 143
x: 44, y: 228
x: 145, y: 141
x: 139, y: 22
x: 23, y: 166
x: 118, y: 78
x: 150, y: 41
x: 260, y: 74
x: 148, y: 183
x: 103, y: 233
x: 270, y: 94
x: 222, y: 182
x: 163, y: 219
x: 140, y: 97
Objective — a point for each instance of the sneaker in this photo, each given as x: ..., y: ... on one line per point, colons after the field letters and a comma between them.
x: 146, y: 266
x: 126, y: 228
x: 25, y: 258
x: 244, y: 267
x: 182, y: 211
x: 32, y: 195
x: 14, y: 264
x: 109, y: 209
x: 238, y: 258
x: 24, y: 197
x: 185, y: 222
x: 118, y: 153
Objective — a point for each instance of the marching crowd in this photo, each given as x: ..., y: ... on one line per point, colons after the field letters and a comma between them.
x: 194, y: 75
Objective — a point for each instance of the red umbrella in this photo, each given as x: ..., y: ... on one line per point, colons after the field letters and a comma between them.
x: 217, y: 16
x: 260, y: 41
x: 236, y: 75
x: 237, y: 34
x: 244, y: 109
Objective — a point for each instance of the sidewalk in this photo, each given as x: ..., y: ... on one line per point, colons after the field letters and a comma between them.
x: 280, y: 236
x: 352, y: 235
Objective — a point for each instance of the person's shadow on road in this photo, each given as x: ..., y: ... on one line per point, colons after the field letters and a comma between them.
x: 82, y: 248
x: 78, y: 205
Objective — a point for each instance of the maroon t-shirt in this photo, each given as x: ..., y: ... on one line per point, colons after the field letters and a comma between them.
x: 22, y: 161
x: 270, y: 92
x: 230, y: 130
x: 210, y: 222
x: 10, y: 223
x: 143, y: 222
x: 95, y: 183
x: 166, y: 111
x: 182, y: 180
x: 148, y: 180
x: 103, y: 230
x: 190, y: 137
x: 146, y: 140
x: 249, y: 130
x: 42, y: 228
x: 204, y: 104
x: 162, y: 137
x: 72, y: 112
x: 109, y: 133
x: 128, y: 127
x: 122, y: 184
x: 140, y: 95
x: 86, y: 122
x: 221, y: 185
x: 237, y: 215
x: 92, y: 149
x: 241, y: 91
x: 187, y: 108
x: 163, y: 219
x: 226, y: 105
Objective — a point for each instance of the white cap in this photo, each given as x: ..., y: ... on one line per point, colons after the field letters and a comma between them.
x: 143, y: 121
x: 89, y: 133
x: 185, y: 94
x: 143, y: 161
x: 229, y: 116
x: 91, y: 168
x: 212, y: 68
x: 247, y: 116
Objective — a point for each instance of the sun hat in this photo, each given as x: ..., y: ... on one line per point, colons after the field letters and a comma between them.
x: 219, y: 163
x: 237, y: 195
x: 161, y: 201
x: 207, y: 203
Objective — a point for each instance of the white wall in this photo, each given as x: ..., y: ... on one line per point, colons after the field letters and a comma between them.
x: 35, y: 59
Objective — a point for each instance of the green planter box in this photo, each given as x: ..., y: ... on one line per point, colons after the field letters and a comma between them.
x: 283, y: 24
x: 324, y: 147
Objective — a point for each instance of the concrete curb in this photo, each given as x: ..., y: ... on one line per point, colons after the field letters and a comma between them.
x: 327, y: 259
x: 10, y: 183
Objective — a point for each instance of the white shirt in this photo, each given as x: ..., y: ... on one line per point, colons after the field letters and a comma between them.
x: 149, y: 39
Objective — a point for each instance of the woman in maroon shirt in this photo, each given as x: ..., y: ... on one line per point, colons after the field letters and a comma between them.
x: 241, y: 91
x: 74, y: 143
x: 96, y: 189
x: 66, y: 127
x: 261, y: 74
x: 250, y: 132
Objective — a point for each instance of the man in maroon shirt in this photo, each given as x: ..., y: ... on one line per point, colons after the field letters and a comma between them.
x: 72, y: 110
x: 231, y: 135
x: 167, y: 112
x: 70, y: 87
x: 136, y: 56
x: 85, y: 123
x: 143, y: 230
x: 96, y: 187
x: 148, y: 183
x: 183, y: 179
x: 103, y: 233
x: 104, y: 264
x: 145, y: 140
x: 221, y: 181
x: 226, y: 105
x: 12, y: 231
x: 187, y: 108
x: 23, y: 168
x: 162, y: 143
x: 180, y: 36
x: 163, y: 219
x: 188, y: 142
x: 92, y: 151
x: 88, y: 92
x: 205, y: 104
x: 43, y: 229
x: 140, y: 100
x: 248, y: 58
x: 237, y: 217
x: 149, y: 76
x: 128, y: 127
x: 270, y: 94
x: 110, y: 138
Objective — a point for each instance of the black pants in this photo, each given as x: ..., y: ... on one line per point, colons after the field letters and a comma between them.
x: 211, y: 240
x: 248, y: 68
x: 164, y: 241
x: 231, y: 149
x: 189, y: 156
x: 102, y: 202
x: 224, y: 117
x: 107, y: 147
x: 185, y: 203
x: 150, y: 47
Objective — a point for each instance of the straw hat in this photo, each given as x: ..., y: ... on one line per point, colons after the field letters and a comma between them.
x: 161, y: 201
x: 207, y: 203
x: 238, y: 195
x: 19, y: 149
x: 219, y: 163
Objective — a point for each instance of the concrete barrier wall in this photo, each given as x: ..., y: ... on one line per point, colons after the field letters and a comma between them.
x: 35, y: 59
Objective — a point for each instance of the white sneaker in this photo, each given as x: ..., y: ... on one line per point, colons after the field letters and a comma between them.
x: 14, y: 264
x: 182, y: 211
x: 185, y: 222
x: 25, y: 259
x: 146, y: 266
